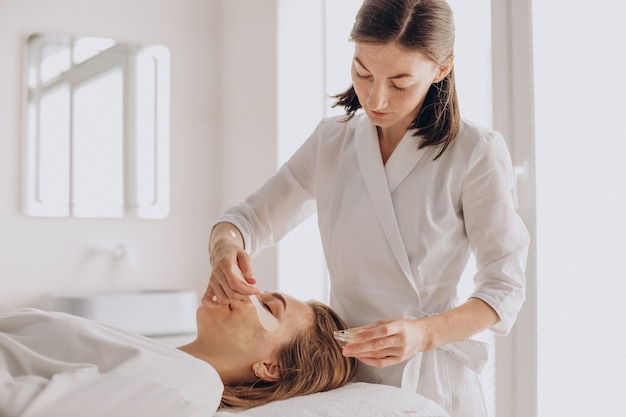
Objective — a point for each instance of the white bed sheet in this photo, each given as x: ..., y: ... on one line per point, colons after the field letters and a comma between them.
x: 58, y: 365
x: 357, y: 399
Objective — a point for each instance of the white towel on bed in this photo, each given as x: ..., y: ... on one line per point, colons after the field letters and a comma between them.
x: 353, y: 400
x: 57, y: 365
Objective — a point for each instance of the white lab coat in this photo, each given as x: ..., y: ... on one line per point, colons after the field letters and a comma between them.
x: 397, y: 237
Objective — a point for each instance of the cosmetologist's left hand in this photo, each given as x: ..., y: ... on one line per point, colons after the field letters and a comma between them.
x: 388, y: 342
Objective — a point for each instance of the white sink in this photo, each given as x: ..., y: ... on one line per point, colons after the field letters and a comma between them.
x: 150, y: 313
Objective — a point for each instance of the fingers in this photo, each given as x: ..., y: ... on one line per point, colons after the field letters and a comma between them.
x: 381, y: 362
x: 241, y: 283
x: 383, y: 343
x: 227, y: 284
x: 216, y: 293
x: 232, y: 277
x: 232, y: 286
x: 377, y: 348
x: 246, y: 270
x: 371, y: 334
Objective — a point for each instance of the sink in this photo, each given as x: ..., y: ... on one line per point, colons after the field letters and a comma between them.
x: 149, y: 313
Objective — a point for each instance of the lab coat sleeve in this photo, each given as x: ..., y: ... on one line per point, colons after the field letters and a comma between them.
x: 285, y: 200
x: 496, y: 233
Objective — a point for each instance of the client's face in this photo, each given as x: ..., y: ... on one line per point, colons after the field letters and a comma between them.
x: 235, y: 328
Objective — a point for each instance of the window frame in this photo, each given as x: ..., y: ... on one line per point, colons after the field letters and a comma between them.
x: 513, y: 102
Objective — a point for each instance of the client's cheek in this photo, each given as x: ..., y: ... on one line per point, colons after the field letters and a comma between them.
x: 246, y: 340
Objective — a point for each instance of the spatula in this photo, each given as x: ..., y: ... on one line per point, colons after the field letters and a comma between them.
x: 268, y: 321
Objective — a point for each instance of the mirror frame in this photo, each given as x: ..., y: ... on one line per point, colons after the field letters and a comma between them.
x: 32, y: 202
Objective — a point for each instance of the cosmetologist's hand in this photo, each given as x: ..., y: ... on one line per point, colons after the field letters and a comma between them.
x: 387, y: 342
x: 231, y: 277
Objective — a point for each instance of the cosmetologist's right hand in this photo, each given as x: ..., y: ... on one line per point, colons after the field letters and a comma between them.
x: 231, y: 275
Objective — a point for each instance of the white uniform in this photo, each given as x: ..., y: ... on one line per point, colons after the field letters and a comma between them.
x: 397, y: 238
x: 55, y: 364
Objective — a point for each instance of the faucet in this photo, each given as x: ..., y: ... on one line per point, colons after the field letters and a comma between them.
x: 116, y: 251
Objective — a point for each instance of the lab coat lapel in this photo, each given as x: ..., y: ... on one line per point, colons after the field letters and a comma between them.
x: 402, y: 161
x: 378, y: 189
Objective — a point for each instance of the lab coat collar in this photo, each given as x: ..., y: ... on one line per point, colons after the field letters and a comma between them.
x: 381, y: 180
x: 402, y: 161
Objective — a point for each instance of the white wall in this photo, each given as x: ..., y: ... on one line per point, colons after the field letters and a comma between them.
x: 223, y: 143
x: 39, y: 255
x: 581, y: 194
x: 248, y: 105
x: 301, y: 75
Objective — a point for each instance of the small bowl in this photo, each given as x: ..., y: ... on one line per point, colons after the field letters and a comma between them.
x: 343, y: 337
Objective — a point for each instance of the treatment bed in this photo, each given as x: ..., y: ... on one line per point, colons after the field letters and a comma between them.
x: 59, y: 365
x: 357, y: 399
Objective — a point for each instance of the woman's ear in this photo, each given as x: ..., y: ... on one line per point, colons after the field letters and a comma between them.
x: 267, y: 371
x: 444, y: 70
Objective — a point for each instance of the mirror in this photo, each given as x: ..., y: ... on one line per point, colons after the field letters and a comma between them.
x: 96, y: 128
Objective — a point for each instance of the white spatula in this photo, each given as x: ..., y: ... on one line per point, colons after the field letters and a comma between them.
x: 268, y: 321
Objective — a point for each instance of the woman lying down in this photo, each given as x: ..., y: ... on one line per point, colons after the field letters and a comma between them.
x: 54, y: 364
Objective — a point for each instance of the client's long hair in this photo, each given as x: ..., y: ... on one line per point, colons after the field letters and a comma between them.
x: 311, y: 362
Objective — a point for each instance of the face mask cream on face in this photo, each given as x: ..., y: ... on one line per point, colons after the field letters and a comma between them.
x: 268, y: 321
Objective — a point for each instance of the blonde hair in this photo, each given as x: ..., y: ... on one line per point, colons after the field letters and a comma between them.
x: 311, y: 362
